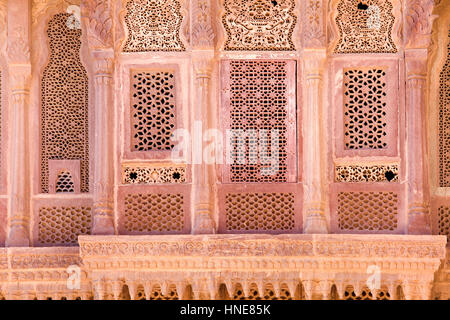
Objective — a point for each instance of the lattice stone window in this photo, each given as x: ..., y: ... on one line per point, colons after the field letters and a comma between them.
x: 365, y: 109
x: 64, y: 94
x: 260, y: 111
x: 153, y: 25
x: 64, y: 182
x: 153, y: 174
x: 260, y: 212
x: 372, y: 173
x: 444, y: 221
x: 367, y: 211
x: 63, y: 225
x: 153, y: 117
x: 259, y: 24
x: 154, y: 213
x: 444, y: 121
x: 269, y: 293
x: 365, y: 26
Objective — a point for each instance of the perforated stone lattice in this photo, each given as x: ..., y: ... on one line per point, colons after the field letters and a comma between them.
x: 365, y: 109
x: 444, y: 121
x: 152, y: 110
x: 374, y: 173
x: 153, y: 175
x: 64, y: 94
x: 64, y: 182
x: 444, y: 221
x: 259, y: 25
x: 269, y: 293
x: 157, y: 294
x: 153, y: 25
x: 259, y: 211
x: 153, y: 212
x: 63, y: 225
x: 367, y: 211
x: 258, y: 104
x: 366, y: 294
x: 365, y: 30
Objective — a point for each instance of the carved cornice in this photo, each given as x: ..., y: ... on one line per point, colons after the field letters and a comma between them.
x: 373, y: 246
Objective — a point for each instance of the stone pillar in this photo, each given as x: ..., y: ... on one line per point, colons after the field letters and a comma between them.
x: 417, y: 30
x: 202, y: 173
x: 418, y: 208
x: 97, y: 17
x: 20, y: 74
x: 313, y: 164
x: 103, y: 214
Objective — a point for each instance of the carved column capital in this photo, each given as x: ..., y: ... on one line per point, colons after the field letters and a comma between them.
x: 419, y: 21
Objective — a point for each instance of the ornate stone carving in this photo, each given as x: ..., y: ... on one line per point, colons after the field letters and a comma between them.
x: 369, y: 173
x: 19, y: 49
x: 362, y: 30
x: 202, y: 31
x: 153, y: 25
x: 98, y: 23
x: 141, y: 174
x: 419, y: 21
x: 313, y: 25
x: 259, y: 25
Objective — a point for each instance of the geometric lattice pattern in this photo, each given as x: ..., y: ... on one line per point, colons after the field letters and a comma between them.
x: 63, y: 225
x: 444, y: 221
x: 64, y: 112
x: 365, y: 118
x: 64, y: 182
x: 269, y: 293
x: 146, y: 213
x: 157, y: 294
x: 153, y: 25
x: 366, y: 294
x: 444, y: 122
x: 375, y: 173
x: 259, y: 25
x: 260, y: 211
x: 153, y: 110
x: 365, y: 27
x: 152, y: 175
x: 367, y: 211
x: 258, y: 109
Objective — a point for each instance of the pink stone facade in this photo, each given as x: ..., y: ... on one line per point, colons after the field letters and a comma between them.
x: 120, y: 149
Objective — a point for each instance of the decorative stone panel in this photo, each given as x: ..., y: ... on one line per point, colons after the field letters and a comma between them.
x: 154, y: 210
x: 63, y: 225
x: 265, y: 208
x: 368, y: 211
x: 153, y: 117
x: 365, y: 114
x: 153, y: 25
x: 269, y: 293
x: 255, y: 25
x: 367, y: 107
x: 367, y: 208
x: 153, y: 174
x: 64, y: 98
x: 259, y: 103
x: 444, y: 220
x: 366, y: 173
x: 365, y: 27
x: 444, y: 122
